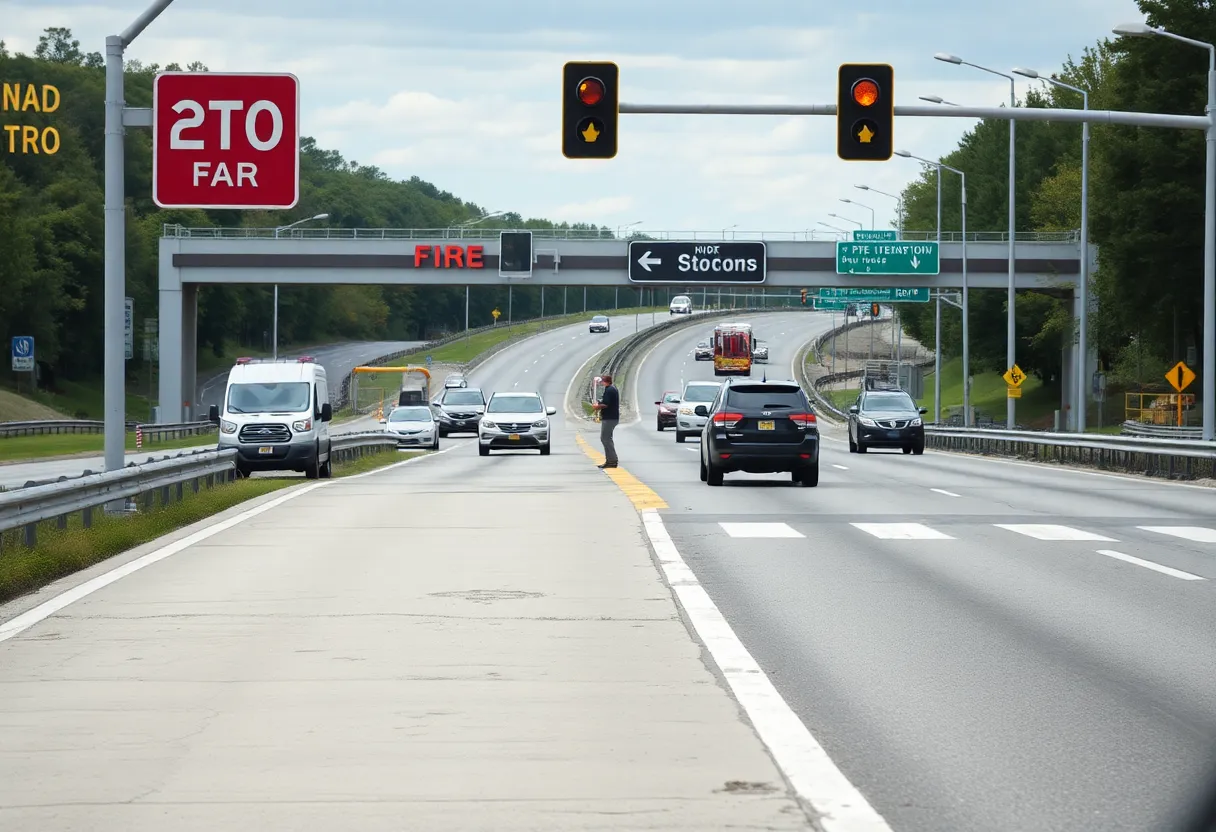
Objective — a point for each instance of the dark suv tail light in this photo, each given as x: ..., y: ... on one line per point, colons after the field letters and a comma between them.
x: 727, y: 420
x: 803, y: 420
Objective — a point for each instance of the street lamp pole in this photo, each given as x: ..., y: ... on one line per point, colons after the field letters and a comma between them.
x: 873, y: 216
x: 835, y: 228
x: 1011, y: 335
x: 899, y: 206
x: 1209, y: 223
x: 1082, y: 368
x: 846, y: 219
x: 275, y: 330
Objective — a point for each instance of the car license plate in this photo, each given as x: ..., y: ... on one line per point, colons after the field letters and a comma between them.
x: 893, y: 434
x: 515, y: 437
x: 766, y: 425
x: 265, y: 450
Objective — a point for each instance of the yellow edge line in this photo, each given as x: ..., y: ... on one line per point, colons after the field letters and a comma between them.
x: 641, y: 495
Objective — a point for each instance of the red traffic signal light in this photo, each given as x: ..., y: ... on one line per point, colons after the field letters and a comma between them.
x: 590, y: 109
x: 591, y: 91
x: 865, y: 92
x: 865, y: 112
x: 804, y: 296
x: 875, y: 310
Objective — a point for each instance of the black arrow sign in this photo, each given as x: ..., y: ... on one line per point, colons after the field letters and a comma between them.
x: 687, y: 262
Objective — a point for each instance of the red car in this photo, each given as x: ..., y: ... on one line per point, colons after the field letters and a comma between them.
x: 667, y: 409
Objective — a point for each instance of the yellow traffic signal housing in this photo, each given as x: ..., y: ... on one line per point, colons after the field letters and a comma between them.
x: 590, y: 109
x: 865, y: 112
x: 875, y: 310
x: 804, y: 297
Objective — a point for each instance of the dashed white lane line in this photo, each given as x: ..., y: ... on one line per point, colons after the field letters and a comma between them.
x: 901, y: 531
x: 811, y: 772
x: 1195, y: 534
x: 771, y: 530
x: 1148, y: 564
x: 944, y: 491
x: 1047, y: 531
x: 841, y: 467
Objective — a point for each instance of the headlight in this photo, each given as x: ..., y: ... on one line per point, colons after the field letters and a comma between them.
x: 302, y: 425
x: 916, y: 423
x: 486, y: 423
x: 228, y: 427
x: 541, y: 423
x: 870, y: 423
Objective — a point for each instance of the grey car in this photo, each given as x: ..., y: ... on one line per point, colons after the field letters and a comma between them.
x: 459, y: 410
x: 886, y: 419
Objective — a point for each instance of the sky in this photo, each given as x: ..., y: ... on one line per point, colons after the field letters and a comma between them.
x: 466, y: 94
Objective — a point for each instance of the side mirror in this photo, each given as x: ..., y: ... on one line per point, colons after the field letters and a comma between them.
x: 327, y: 412
x: 213, y: 415
x: 700, y: 410
x: 658, y: 402
x: 853, y: 409
x: 922, y: 411
x: 551, y: 411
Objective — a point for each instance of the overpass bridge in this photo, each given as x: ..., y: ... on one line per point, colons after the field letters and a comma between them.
x: 191, y: 257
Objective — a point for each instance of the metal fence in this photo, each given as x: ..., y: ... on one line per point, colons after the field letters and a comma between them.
x: 160, y: 481
x: 49, y: 427
x: 1134, y: 428
x: 482, y: 233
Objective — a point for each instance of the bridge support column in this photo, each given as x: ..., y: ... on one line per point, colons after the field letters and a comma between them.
x: 190, y: 353
x: 1070, y: 366
x: 171, y: 374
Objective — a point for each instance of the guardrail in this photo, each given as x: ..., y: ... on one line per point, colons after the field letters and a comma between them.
x: 1133, y: 428
x: 45, y: 427
x: 482, y: 233
x: 166, y: 479
x: 1172, y: 458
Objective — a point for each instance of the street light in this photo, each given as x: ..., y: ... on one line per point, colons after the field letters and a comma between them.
x: 1141, y: 30
x: 834, y: 228
x: 899, y: 206
x: 1081, y: 369
x: 275, y: 334
x: 476, y: 220
x: 627, y: 225
x: 846, y: 219
x: 873, y: 221
x: 1011, y: 336
x: 937, y: 352
x: 728, y: 228
x: 936, y: 99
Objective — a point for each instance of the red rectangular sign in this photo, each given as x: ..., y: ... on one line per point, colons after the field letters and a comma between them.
x: 226, y: 140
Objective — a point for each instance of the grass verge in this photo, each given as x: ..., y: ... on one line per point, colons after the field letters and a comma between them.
x: 38, y: 447
x: 1036, y: 408
x: 61, y: 552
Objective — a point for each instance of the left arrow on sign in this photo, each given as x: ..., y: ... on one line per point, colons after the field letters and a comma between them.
x: 646, y: 261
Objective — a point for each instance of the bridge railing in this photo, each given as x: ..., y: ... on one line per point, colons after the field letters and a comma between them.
x: 50, y: 427
x: 175, y: 231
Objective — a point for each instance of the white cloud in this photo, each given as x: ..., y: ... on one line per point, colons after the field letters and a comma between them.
x: 466, y: 95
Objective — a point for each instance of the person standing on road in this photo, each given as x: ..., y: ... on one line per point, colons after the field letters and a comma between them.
x: 610, y: 416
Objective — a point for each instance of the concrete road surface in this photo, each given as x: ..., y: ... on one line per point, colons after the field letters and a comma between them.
x: 978, y: 644
x: 457, y: 643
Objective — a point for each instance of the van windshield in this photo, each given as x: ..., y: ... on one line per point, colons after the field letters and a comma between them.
x: 270, y: 397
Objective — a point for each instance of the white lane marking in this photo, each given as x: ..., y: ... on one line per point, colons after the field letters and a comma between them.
x: 759, y: 530
x: 1148, y: 564
x: 841, y: 467
x: 902, y: 531
x: 811, y: 772
x: 53, y: 605
x: 1047, y: 531
x: 944, y: 491
x: 1195, y: 534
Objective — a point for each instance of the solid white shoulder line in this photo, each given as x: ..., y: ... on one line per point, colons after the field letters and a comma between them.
x: 816, y: 779
x: 51, y: 606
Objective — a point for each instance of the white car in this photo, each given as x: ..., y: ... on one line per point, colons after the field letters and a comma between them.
x: 688, y: 423
x: 413, y: 426
x: 681, y: 305
x: 515, y: 420
x: 760, y: 354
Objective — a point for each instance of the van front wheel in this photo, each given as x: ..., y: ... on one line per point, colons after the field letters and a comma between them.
x: 313, y: 469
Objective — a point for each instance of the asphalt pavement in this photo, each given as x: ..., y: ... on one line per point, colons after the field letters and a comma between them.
x: 456, y: 643
x: 978, y: 644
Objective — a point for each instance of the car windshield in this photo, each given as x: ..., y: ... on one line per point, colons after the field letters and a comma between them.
x: 410, y: 414
x: 462, y: 397
x: 703, y: 344
x: 600, y: 319
x: 515, y: 404
x: 671, y: 398
x: 700, y: 392
x: 270, y: 397
x: 765, y: 397
x: 889, y: 402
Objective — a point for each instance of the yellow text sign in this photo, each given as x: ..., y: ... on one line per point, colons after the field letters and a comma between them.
x: 18, y: 137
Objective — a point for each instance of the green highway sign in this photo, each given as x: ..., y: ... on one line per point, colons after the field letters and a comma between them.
x: 831, y: 304
x: 893, y: 294
x: 860, y: 236
x: 888, y: 258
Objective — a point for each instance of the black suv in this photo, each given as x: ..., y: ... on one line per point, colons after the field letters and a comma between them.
x: 760, y: 427
x: 886, y: 419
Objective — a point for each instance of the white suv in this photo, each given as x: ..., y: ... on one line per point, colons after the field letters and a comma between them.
x: 688, y: 423
x: 515, y: 420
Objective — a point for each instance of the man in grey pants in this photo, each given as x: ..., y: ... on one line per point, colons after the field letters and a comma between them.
x: 610, y: 416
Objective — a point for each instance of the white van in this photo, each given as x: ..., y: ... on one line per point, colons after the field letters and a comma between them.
x: 276, y: 415
x: 681, y: 305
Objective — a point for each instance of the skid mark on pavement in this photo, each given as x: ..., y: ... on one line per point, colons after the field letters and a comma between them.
x: 641, y: 495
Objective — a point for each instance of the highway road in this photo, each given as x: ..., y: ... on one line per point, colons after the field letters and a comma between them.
x: 978, y: 644
x: 455, y: 643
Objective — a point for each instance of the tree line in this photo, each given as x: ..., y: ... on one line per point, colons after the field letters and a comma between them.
x: 1146, y: 206
x: 51, y: 230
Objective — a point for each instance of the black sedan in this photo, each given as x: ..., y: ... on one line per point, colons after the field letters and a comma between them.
x: 886, y: 419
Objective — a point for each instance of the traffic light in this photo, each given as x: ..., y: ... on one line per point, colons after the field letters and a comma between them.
x: 590, y: 108
x: 804, y: 297
x: 875, y: 310
x: 865, y: 112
